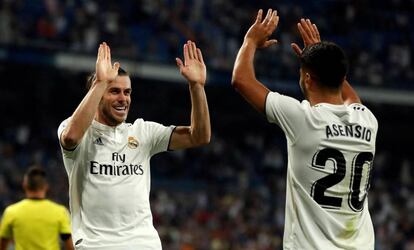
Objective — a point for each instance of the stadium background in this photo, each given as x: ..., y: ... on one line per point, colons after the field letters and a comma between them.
x: 230, y: 194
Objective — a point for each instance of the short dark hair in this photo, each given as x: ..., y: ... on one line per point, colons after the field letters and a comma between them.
x: 327, y: 63
x: 92, y: 77
x: 36, y: 178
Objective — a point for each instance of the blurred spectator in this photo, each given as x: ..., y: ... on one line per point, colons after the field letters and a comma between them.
x: 377, y: 37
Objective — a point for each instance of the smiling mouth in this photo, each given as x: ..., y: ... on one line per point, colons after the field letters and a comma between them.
x: 121, y: 109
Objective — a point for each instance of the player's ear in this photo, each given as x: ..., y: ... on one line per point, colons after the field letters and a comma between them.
x: 46, y: 187
x: 24, y: 183
x: 308, y: 81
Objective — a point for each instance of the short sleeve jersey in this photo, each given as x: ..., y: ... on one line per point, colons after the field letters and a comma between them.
x: 109, y: 185
x: 330, y: 153
x: 35, y: 224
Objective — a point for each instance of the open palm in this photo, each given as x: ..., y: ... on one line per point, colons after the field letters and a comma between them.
x: 193, y: 67
x: 104, y: 69
x: 309, y: 33
x: 261, y: 30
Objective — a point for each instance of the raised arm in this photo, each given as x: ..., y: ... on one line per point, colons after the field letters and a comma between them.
x: 84, y: 114
x: 194, y: 70
x: 244, y: 78
x: 349, y: 95
x: 310, y: 35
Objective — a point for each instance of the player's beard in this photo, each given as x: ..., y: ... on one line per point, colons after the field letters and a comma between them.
x: 109, y: 116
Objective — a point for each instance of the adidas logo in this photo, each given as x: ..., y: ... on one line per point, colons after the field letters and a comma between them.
x: 98, y: 141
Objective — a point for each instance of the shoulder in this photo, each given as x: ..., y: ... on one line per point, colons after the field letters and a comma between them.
x: 9, y: 210
x: 55, y: 206
x: 64, y: 123
x: 360, y: 108
x: 13, y: 208
x: 275, y: 98
x: 144, y: 125
x: 363, y: 111
x: 142, y: 122
x: 137, y: 122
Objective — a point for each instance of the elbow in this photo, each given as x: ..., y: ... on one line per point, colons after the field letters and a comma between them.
x: 236, y: 81
x: 205, y: 140
x: 202, y: 140
x: 69, y: 140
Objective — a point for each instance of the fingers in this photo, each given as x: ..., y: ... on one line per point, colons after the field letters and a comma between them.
x: 179, y: 62
x: 105, y: 51
x: 261, y: 30
x: 304, y: 31
x: 100, y: 53
x: 190, y: 50
x: 186, y: 53
x: 194, y: 50
x: 259, y: 16
x: 108, y: 53
x: 316, y: 31
x: 307, y: 26
x: 276, y: 18
x: 271, y: 20
x: 309, y: 31
x: 116, y: 66
x: 313, y: 30
x: 270, y: 43
x: 274, y: 21
x: 268, y: 16
x: 296, y: 49
x: 200, y: 56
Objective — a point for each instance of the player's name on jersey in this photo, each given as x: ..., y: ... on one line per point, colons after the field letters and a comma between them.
x: 117, y: 170
x: 354, y: 131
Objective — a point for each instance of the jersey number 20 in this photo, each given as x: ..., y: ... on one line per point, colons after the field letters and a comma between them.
x: 319, y: 187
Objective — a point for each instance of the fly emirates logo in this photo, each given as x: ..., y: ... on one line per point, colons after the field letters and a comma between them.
x: 118, y: 168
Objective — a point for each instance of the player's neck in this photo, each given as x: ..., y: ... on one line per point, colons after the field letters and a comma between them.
x: 324, y: 97
x: 103, y: 120
x: 35, y: 195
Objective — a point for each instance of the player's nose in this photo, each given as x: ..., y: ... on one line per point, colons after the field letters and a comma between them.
x: 122, y: 97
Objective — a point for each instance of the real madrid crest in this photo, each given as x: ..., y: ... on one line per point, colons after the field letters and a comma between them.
x: 132, y: 142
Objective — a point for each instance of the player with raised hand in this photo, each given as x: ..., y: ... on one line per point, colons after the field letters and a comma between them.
x: 108, y: 160
x: 330, y: 136
x: 310, y: 35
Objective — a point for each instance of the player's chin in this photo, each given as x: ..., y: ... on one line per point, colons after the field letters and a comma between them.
x: 120, y: 118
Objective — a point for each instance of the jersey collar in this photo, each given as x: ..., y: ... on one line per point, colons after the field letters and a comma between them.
x: 103, y: 127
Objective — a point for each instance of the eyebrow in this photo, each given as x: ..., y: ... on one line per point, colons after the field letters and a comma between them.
x: 118, y: 88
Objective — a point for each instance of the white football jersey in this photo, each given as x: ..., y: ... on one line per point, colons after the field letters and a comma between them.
x: 109, y: 185
x: 330, y: 154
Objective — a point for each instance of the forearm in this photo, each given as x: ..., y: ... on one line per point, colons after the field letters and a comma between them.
x: 244, y: 78
x: 349, y: 95
x: 200, y: 117
x: 82, y: 117
x: 243, y: 71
